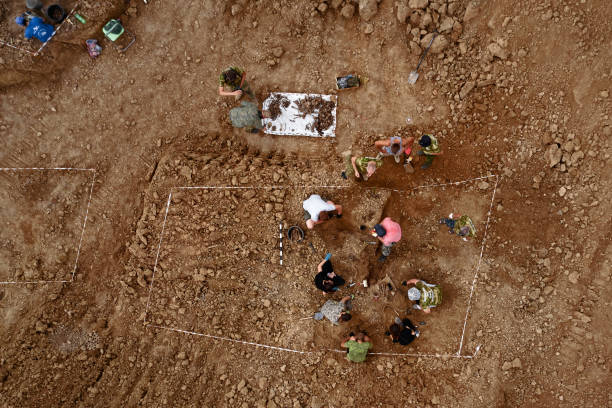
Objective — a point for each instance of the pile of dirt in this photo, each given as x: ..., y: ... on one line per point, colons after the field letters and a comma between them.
x: 275, y: 105
x: 320, y: 109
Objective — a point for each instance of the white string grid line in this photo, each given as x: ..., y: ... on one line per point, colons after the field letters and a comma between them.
x: 35, y: 53
x: 484, y: 241
x: 76, y: 261
x: 161, y: 237
x: 424, y: 355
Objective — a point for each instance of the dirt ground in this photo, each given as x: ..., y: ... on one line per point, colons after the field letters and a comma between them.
x: 516, y: 89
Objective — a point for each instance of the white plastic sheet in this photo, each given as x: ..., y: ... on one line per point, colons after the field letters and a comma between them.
x: 290, y: 121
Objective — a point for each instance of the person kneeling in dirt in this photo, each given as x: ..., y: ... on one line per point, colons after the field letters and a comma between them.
x: 35, y: 27
x: 393, y: 146
x: 430, y: 149
x: 326, y: 280
x: 402, y: 331
x: 357, y: 347
x: 234, y: 79
x: 461, y: 225
x: 425, y: 295
x: 388, y: 233
x: 360, y: 167
x: 335, y: 311
x: 318, y: 210
x: 247, y: 116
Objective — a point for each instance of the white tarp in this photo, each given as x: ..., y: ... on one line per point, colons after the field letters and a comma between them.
x: 290, y: 121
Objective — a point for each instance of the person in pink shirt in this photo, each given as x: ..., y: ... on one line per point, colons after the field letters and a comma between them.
x: 388, y: 233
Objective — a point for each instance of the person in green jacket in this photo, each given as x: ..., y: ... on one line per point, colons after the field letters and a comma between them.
x: 357, y: 347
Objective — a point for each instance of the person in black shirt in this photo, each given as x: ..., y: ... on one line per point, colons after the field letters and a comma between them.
x: 403, y: 331
x: 326, y: 280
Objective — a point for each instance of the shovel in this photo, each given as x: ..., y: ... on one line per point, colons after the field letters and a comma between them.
x: 414, y: 75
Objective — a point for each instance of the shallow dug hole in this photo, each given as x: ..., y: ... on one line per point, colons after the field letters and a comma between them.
x: 218, y: 271
x: 42, y: 214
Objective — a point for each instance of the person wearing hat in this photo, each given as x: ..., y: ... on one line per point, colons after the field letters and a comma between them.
x: 388, y: 233
x: 248, y: 117
x: 35, y: 27
x: 335, y: 311
x: 430, y: 149
x: 318, y: 210
x: 424, y: 295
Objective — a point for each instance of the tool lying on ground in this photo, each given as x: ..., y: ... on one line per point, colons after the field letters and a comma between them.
x: 113, y: 30
x: 414, y: 75
x: 295, y: 234
x: 348, y: 82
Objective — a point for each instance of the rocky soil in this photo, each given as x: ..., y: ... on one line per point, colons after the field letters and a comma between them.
x: 516, y: 89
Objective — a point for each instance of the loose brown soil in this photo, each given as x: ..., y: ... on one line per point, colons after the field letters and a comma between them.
x: 518, y: 89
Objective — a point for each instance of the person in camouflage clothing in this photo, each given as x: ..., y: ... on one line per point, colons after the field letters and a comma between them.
x: 425, y: 295
x: 247, y: 116
x: 362, y: 168
x: 430, y: 148
x: 233, y: 78
x: 461, y: 225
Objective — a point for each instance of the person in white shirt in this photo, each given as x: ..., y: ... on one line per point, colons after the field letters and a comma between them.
x: 318, y: 210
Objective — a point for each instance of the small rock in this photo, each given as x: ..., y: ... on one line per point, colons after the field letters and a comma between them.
x: 279, y: 51
x: 322, y: 7
x: 435, y: 400
x: 506, y: 366
x: 562, y: 191
x: 604, y: 94
x: 573, y: 277
x: 418, y: 4
x: 40, y: 327
x: 268, y: 207
x: 497, y: 51
x: 471, y: 11
x: 483, y: 185
x: 516, y: 363
x: 236, y: 8
x: 367, y: 9
x: 336, y: 3
x: 368, y: 28
x: 439, y: 44
x: 266, y: 303
x: 403, y: 11
x: 548, y: 290
x: 348, y: 11
x: 466, y: 89
x: 447, y: 24
x: 554, y: 155
x: 181, y: 355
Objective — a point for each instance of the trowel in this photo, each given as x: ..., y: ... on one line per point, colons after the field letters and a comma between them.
x: 414, y: 75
